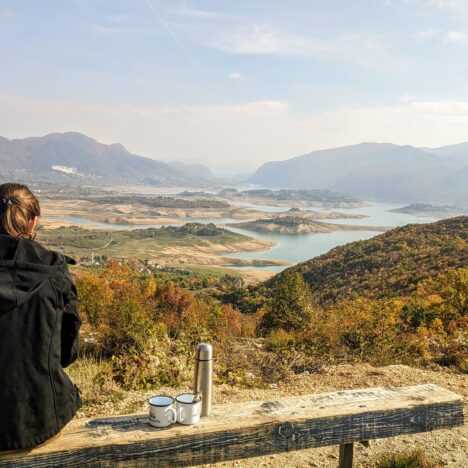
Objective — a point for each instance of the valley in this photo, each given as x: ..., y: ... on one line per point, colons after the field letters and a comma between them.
x: 189, y: 245
x: 266, y: 232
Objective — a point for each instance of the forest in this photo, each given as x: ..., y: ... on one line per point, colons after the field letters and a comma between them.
x: 392, y: 264
x: 161, y: 201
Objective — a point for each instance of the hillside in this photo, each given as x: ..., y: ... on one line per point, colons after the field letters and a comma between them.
x: 458, y: 151
x: 390, y: 264
x: 73, y: 156
x: 199, y: 171
x: 192, y: 243
x: 375, y: 170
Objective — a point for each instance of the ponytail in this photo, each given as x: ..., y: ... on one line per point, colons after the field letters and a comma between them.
x: 18, y: 206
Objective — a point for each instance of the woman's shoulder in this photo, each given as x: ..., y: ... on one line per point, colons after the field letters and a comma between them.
x: 33, y: 252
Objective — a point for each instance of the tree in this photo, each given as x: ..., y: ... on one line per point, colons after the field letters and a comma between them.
x: 290, y: 305
x: 454, y: 290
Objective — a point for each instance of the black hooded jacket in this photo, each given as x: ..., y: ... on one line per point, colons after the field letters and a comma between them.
x: 38, y: 338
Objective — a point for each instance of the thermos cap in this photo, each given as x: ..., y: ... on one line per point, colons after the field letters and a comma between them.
x: 204, y: 352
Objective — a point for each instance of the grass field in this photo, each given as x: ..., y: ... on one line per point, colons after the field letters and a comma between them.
x: 194, y: 244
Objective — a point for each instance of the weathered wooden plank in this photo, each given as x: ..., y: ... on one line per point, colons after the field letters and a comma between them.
x: 242, y: 430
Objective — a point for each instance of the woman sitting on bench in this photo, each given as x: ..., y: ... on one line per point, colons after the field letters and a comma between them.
x: 38, y: 328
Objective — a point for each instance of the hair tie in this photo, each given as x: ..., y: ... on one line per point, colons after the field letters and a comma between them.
x: 6, y: 201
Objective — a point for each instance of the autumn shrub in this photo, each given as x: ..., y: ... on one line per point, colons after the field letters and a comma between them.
x: 95, y: 296
x: 161, y: 364
x: 238, y: 365
x: 411, y: 459
x: 147, y: 329
x: 279, y: 340
x: 437, y: 322
x: 290, y: 304
x: 363, y: 329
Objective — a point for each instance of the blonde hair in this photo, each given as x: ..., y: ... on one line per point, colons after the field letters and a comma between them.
x: 18, y: 206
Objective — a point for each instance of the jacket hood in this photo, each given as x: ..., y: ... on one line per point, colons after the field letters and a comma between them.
x: 24, y: 268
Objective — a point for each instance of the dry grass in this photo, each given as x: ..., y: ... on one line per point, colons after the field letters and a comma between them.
x: 94, y: 379
x: 413, y: 459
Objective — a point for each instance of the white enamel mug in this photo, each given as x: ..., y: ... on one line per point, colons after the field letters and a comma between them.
x: 188, y: 410
x: 162, y: 412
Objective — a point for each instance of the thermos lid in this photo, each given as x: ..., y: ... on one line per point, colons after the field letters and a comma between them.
x: 204, y: 352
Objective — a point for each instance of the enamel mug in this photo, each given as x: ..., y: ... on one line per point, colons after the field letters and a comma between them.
x: 188, y: 409
x: 162, y: 412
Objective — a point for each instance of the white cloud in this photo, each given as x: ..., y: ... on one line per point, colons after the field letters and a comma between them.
x: 426, y: 34
x: 237, y: 76
x: 406, y: 98
x: 262, y: 40
x: 459, y: 38
x: 258, y: 40
x: 249, y: 133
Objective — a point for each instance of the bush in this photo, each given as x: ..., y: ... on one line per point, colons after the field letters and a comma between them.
x: 279, y: 340
x: 290, y: 306
x: 148, y: 330
x: 147, y: 327
x: 415, y: 459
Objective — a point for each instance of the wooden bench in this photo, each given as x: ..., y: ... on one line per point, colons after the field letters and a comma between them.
x: 241, y: 430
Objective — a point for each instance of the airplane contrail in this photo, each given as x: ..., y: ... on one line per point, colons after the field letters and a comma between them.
x: 172, y: 34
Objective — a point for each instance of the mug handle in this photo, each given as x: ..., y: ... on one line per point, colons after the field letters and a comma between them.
x: 181, y: 414
x: 173, y: 412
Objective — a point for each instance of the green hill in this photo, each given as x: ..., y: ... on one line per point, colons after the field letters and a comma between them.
x: 388, y: 265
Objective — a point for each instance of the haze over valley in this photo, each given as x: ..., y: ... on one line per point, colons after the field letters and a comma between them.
x: 312, y: 203
x: 378, y: 171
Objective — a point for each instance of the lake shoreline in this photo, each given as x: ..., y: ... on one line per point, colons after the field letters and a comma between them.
x: 274, y: 250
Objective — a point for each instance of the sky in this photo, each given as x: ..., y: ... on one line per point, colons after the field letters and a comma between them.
x: 235, y: 83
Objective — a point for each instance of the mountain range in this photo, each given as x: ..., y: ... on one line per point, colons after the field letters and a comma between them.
x: 370, y: 170
x: 73, y: 156
x: 377, y: 171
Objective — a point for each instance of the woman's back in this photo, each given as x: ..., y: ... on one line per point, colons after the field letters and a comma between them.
x: 38, y: 337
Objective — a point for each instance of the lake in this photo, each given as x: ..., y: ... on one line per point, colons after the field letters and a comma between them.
x: 295, y: 248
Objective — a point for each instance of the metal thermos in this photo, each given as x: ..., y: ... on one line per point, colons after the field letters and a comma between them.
x: 203, y: 382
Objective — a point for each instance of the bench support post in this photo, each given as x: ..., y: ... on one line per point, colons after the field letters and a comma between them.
x: 346, y: 456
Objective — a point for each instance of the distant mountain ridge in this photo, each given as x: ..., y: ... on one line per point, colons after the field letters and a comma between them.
x: 458, y: 151
x: 376, y: 170
x: 194, y: 170
x: 72, y: 155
